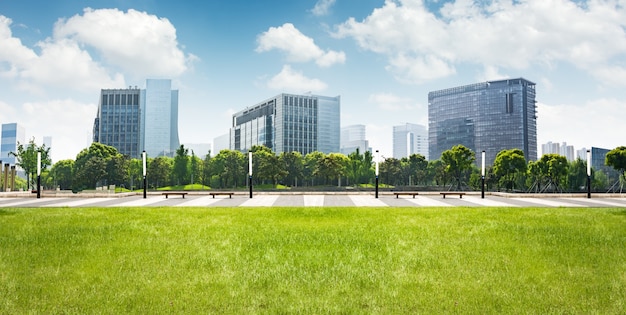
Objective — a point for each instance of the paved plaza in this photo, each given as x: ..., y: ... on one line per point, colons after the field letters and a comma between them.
x: 313, y: 200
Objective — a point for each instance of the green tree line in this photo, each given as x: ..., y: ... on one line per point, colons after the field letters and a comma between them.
x: 455, y: 170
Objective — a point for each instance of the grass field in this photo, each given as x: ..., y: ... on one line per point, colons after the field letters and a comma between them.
x: 313, y: 260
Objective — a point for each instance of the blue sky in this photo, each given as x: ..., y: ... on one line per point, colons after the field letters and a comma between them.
x: 381, y: 57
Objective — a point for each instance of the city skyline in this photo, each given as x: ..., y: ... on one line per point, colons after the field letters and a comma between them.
x: 224, y: 56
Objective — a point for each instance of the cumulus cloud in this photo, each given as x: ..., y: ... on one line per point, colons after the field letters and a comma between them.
x: 297, y: 46
x: 291, y: 80
x: 552, y: 127
x: 496, y: 34
x: 322, y: 7
x: 391, y: 102
x: 134, y: 41
x: 93, y: 51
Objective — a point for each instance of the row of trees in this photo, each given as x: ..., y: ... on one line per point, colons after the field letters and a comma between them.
x: 104, y: 165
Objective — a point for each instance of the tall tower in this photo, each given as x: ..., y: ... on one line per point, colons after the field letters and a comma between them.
x: 491, y: 116
x: 409, y: 139
x: 159, y: 111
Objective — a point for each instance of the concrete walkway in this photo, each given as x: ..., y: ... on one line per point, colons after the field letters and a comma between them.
x: 316, y: 200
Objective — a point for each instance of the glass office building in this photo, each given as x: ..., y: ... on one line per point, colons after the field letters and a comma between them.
x: 159, y: 110
x: 133, y: 120
x: 409, y: 139
x: 287, y: 122
x: 118, y: 121
x: 11, y: 134
x: 490, y: 116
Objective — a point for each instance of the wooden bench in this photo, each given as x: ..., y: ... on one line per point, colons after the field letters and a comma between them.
x: 452, y: 193
x: 406, y: 193
x: 174, y: 193
x: 222, y: 193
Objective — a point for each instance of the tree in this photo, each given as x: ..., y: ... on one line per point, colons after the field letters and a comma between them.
x: 437, y: 172
x: 229, y: 166
x: 26, y: 159
x: 293, y: 164
x: 61, y: 173
x: 549, y: 171
x: 577, y: 175
x: 88, y: 158
x: 207, y: 172
x: 117, y: 170
x: 458, y: 160
x: 311, y: 162
x: 159, y: 170
x: 416, y: 167
x: 507, y: 165
x: 195, y: 169
x: 180, y: 170
x: 616, y: 158
x: 391, y: 171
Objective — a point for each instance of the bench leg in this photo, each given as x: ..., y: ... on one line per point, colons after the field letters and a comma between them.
x: 460, y: 196
x: 166, y: 196
x: 183, y: 196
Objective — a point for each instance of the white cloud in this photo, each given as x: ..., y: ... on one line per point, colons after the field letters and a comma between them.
x: 297, y: 46
x: 581, y: 125
x: 291, y: 80
x: 322, y: 7
x: 391, y: 102
x: 499, y: 34
x: 137, y: 42
x: 68, y: 121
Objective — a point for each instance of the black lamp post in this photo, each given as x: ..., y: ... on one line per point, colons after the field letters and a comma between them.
x: 482, y: 177
x: 250, y: 171
x: 377, y: 157
x: 145, y: 182
x: 588, y: 173
x: 38, y: 174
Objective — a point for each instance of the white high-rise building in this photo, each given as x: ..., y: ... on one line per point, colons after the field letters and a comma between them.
x: 409, y: 139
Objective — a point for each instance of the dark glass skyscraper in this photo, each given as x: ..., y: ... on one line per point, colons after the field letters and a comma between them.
x: 118, y: 120
x: 491, y: 116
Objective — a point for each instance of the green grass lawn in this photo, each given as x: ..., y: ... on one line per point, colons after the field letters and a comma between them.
x: 313, y: 260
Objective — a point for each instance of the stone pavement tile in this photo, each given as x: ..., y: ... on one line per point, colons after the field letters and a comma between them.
x: 337, y: 201
x: 289, y: 201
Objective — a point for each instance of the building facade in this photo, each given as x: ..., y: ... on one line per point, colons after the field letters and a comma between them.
x: 11, y: 134
x: 159, y: 113
x: 134, y: 120
x: 118, y: 121
x: 409, y: 139
x: 288, y: 122
x: 352, y: 138
x: 490, y: 116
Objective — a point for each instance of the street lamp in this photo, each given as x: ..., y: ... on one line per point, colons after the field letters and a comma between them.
x: 588, y: 173
x: 38, y: 174
x: 377, y: 158
x: 482, y: 177
x: 250, y: 171
x: 143, y: 155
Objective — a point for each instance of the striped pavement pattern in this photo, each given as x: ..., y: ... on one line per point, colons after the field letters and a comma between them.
x: 321, y: 200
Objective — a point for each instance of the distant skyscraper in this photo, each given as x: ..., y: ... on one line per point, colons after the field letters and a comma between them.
x: 561, y: 149
x: 491, y: 116
x: 409, y: 139
x: 159, y: 112
x: 118, y: 121
x: 287, y: 122
x: 133, y: 120
x: 352, y: 138
x: 11, y: 134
